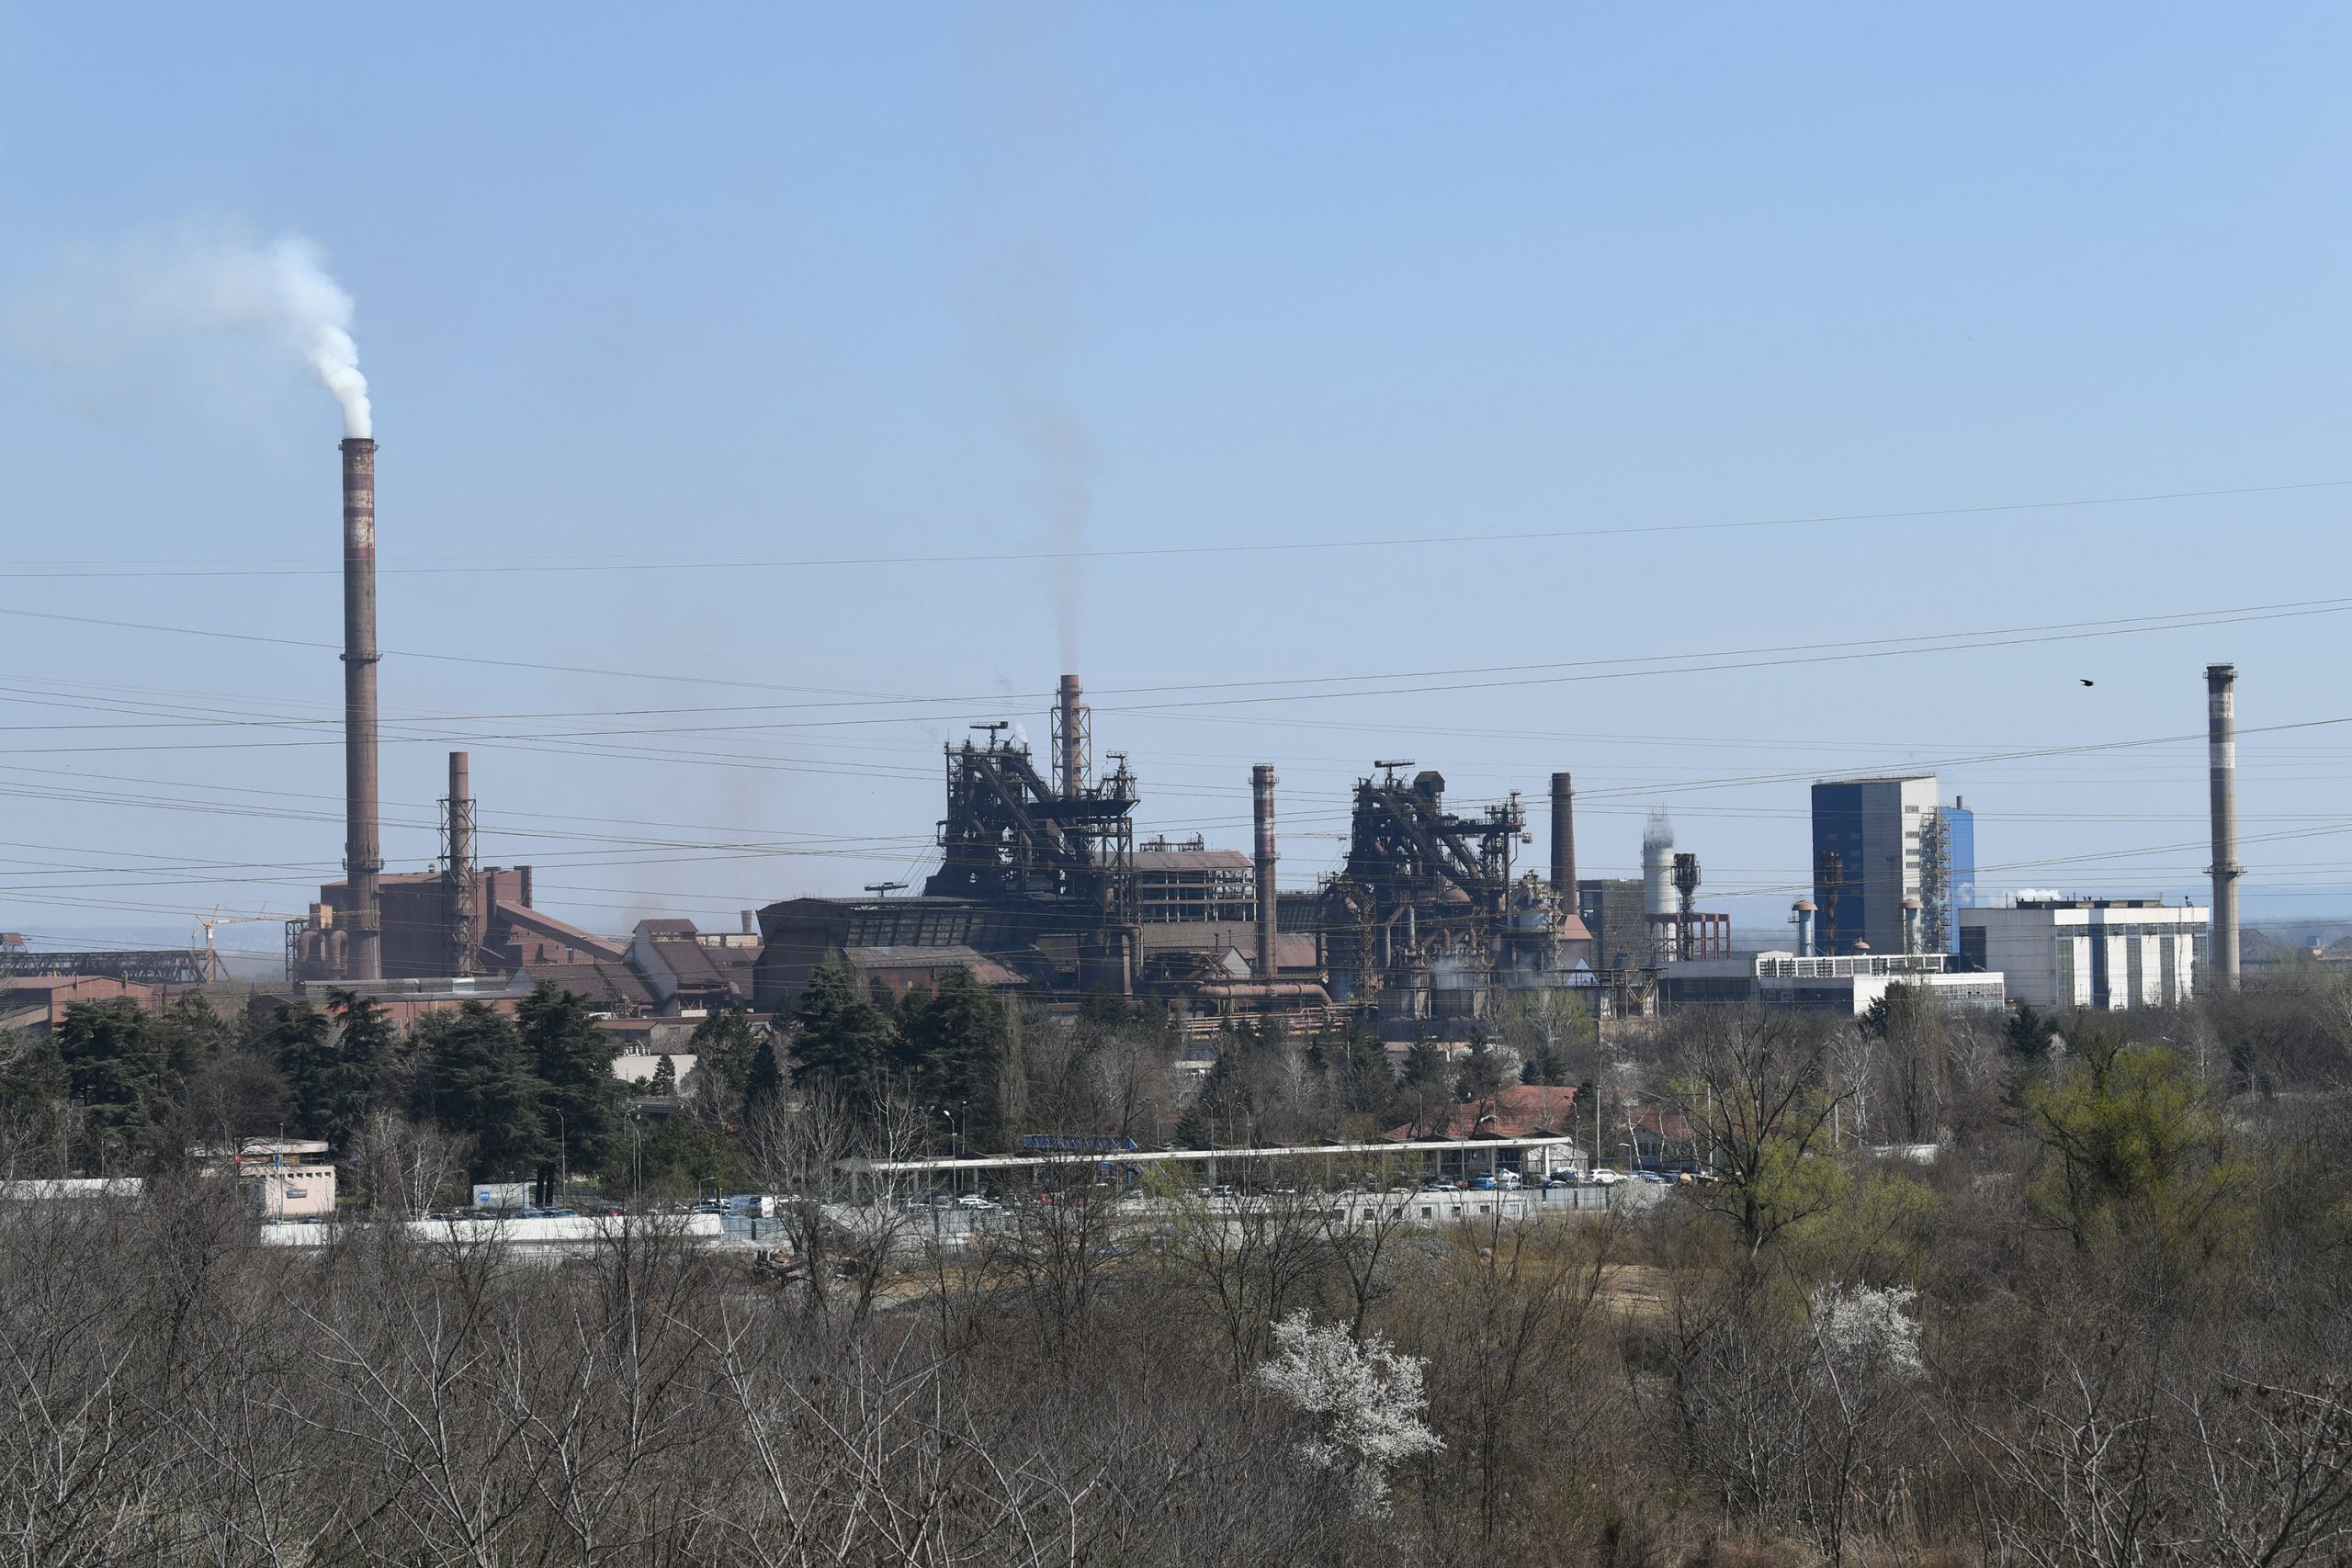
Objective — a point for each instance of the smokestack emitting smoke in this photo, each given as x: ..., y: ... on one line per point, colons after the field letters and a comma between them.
x: 1657, y: 865
x: 1070, y: 719
x: 362, y: 856
x: 1262, y: 796
x: 2222, y: 748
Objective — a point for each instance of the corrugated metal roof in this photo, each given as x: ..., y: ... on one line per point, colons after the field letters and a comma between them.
x: 986, y: 970
x: 1167, y: 861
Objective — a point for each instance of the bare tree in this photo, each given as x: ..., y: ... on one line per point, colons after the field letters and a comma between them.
x: 1755, y: 1087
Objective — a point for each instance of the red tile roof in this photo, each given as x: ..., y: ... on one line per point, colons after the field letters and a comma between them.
x: 1522, y: 1111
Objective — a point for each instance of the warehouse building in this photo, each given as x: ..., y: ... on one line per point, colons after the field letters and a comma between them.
x: 1848, y: 984
x: 2107, y: 953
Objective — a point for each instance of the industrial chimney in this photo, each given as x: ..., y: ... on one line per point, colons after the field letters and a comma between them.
x: 1069, y: 739
x: 460, y: 935
x: 1657, y: 866
x: 363, y: 857
x: 1262, y: 796
x: 2221, y: 748
x: 1564, y: 844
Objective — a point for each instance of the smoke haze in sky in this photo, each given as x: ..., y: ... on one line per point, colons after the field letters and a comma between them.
x: 114, y: 302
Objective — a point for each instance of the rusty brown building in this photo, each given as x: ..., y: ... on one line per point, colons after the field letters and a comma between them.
x: 418, y: 915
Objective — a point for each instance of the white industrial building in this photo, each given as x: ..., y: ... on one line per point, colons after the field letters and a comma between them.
x: 1844, y: 983
x: 2109, y: 954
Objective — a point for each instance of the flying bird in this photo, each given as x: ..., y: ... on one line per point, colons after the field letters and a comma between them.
x: 2086, y: 682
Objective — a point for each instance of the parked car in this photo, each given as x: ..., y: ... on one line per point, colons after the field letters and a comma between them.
x: 1604, y: 1177
x: 975, y: 1201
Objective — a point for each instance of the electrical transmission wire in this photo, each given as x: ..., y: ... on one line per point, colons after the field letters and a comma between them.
x: 1446, y: 539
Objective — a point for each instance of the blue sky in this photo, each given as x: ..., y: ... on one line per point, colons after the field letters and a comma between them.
x: 717, y: 295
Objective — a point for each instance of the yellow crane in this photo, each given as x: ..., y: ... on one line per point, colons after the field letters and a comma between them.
x: 213, y: 970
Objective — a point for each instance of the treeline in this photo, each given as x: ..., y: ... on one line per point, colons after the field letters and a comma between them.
x: 2105, y: 1326
x: 118, y: 1090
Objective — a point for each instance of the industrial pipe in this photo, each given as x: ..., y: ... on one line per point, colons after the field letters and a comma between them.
x: 363, y: 857
x: 2222, y: 746
x: 1262, y: 796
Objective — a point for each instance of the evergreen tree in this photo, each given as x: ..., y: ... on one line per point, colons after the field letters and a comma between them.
x: 665, y: 1077
x: 1219, y: 1115
x: 1104, y: 1008
x: 2030, y: 1034
x: 1361, y: 1083
x: 478, y: 1083
x: 1424, y: 1065
x: 840, y: 1038
x: 725, y: 1044
x: 579, y: 1097
x: 1480, y: 1076
x: 304, y: 1046
x: 332, y: 1063
x: 189, y: 1035
x: 957, y: 1038
x: 117, y: 1071
x: 764, y: 1082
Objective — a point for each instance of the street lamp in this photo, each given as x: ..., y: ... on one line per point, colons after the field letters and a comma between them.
x: 562, y: 1157
x: 955, y: 1147
x: 636, y: 1131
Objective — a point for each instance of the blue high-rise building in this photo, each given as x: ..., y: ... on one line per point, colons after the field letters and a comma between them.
x: 1866, y: 845
x: 1960, y: 868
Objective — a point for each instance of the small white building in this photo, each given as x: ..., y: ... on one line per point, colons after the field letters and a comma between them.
x: 640, y: 1066
x: 286, y: 1178
x: 2107, y: 953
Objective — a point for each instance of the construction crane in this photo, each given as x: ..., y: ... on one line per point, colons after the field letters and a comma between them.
x: 213, y: 970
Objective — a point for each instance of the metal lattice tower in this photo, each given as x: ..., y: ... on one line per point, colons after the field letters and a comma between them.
x: 1935, y: 882
x: 460, y: 928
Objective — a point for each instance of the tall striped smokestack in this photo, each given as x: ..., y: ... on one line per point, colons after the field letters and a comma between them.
x: 363, y: 856
x: 1564, y: 842
x: 2221, y: 748
x: 461, y: 936
x: 1070, y: 718
x: 1261, y: 797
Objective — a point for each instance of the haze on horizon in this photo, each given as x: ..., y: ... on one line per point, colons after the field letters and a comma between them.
x: 762, y: 405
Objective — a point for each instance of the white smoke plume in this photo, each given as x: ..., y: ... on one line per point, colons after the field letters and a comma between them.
x: 112, y: 302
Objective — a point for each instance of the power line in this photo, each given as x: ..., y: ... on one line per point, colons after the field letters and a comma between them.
x: 577, y: 564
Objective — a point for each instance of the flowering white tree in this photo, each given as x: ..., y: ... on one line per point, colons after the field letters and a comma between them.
x: 1861, y: 1327
x: 1363, y: 1398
